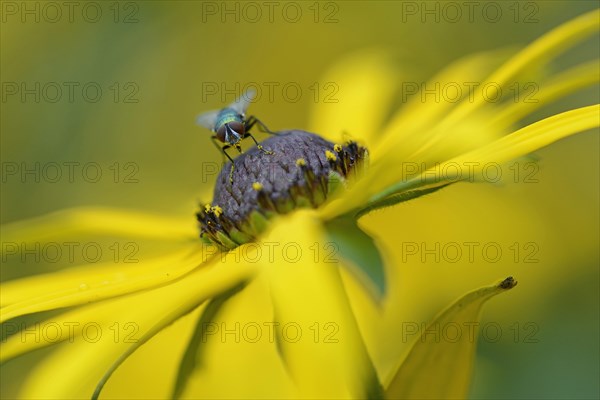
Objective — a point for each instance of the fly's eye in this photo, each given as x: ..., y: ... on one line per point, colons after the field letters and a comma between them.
x: 221, y: 133
x: 238, y: 127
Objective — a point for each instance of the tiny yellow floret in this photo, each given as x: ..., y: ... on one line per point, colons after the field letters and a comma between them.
x: 301, y: 162
x: 257, y: 186
x: 337, y: 148
x: 330, y: 156
x: 217, y: 211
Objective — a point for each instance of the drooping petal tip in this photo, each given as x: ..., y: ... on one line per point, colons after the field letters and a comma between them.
x: 508, y: 283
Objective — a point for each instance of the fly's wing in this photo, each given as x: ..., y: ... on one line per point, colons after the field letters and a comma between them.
x: 242, y: 103
x: 208, y: 119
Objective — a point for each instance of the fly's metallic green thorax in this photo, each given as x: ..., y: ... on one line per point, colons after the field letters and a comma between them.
x: 298, y: 174
x: 226, y: 116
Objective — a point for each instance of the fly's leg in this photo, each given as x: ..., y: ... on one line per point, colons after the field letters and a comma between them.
x: 219, y: 147
x: 214, y: 140
x: 252, y: 120
x: 248, y: 134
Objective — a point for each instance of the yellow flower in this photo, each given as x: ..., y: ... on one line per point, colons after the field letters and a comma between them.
x: 277, y: 315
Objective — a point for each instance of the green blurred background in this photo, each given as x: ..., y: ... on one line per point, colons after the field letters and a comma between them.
x: 156, y: 62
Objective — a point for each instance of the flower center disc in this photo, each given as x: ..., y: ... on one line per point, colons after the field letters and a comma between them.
x: 296, y: 174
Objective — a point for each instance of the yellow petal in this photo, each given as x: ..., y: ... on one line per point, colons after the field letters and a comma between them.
x: 149, y: 312
x: 64, y: 327
x: 98, y: 221
x: 440, y: 368
x: 537, y: 53
x: 238, y: 345
x: 558, y: 86
x: 390, y: 162
x: 411, y: 137
x: 411, y: 128
x: 351, y: 95
x: 468, y: 166
x: 85, y: 285
x: 321, y: 345
x: 68, y: 279
x: 533, y: 137
x: 196, y: 346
